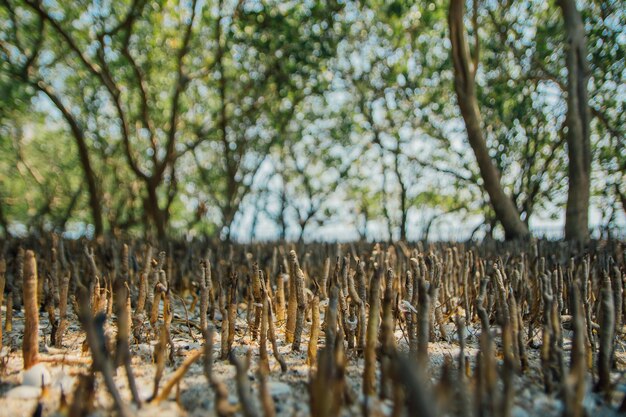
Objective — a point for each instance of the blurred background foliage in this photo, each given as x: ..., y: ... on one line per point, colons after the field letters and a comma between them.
x: 295, y: 119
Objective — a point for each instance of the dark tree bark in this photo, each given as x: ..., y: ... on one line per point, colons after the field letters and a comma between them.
x: 578, y: 144
x: 622, y: 197
x: 464, y: 84
x: 283, y: 212
x: 153, y: 210
x: 403, y: 196
x: 4, y: 223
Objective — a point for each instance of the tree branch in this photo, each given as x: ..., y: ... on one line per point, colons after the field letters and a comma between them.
x: 476, y: 58
x: 102, y: 73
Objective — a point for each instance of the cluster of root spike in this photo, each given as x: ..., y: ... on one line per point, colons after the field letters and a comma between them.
x: 342, y: 304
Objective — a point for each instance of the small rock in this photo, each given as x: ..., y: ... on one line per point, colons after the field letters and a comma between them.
x: 166, y: 409
x: 62, y: 381
x: 33, y: 376
x: 519, y: 412
x: 24, y: 392
x: 278, y: 388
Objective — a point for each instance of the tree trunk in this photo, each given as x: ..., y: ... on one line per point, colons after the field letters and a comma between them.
x: 403, y: 195
x: 578, y: 144
x: 283, y: 210
x: 464, y: 84
x: 363, y: 231
x: 301, y: 235
x: 4, y: 223
x: 153, y: 210
x: 384, y: 205
x: 404, y: 209
x: 303, y: 224
x: 228, y: 217
x: 94, y: 196
x: 622, y: 197
x: 403, y: 218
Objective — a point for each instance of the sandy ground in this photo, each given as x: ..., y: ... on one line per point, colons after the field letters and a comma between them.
x: 289, y: 390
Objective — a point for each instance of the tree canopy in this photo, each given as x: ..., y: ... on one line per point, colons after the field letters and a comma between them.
x: 312, y: 119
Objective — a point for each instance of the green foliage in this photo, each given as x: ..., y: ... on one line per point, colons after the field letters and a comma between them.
x: 195, y: 113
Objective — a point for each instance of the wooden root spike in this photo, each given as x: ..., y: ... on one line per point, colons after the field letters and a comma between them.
x: 300, y: 300
x: 30, y: 344
x: 292, y: 306
x: 3, y: 269
x: 267, y: 402
x: 178, y: 375
x: 315, y: 330
x: 607, y: 333
x: 369, y: 372
x: 243, y: 385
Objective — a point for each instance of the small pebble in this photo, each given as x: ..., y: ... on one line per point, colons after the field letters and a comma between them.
x: 33, y: 376
x: 277, y: 389
x: 24, y: 392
